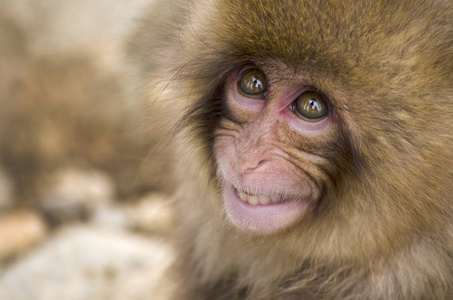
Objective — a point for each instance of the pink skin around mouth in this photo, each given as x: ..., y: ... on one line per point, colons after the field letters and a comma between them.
x: 262, y: 219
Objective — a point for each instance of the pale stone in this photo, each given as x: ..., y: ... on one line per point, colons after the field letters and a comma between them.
x: 152, y: 213
x: 71, y: 193
x: 114, y: 216
x: 84, y: 263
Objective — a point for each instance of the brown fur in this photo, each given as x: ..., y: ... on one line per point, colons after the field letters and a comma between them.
x: 387, y: 232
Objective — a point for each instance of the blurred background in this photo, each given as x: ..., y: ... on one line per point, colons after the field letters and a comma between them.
x: 80, y: 218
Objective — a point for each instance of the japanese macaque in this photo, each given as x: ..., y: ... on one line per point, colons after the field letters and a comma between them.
x: 312, y: 144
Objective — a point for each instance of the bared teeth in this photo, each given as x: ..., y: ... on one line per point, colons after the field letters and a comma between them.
x: 264, y: 200
x: 243, y: 196
x: 254, y: 200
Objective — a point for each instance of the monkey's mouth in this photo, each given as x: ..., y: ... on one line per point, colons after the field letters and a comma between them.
x: 262, y: 213
x: 261, y: 199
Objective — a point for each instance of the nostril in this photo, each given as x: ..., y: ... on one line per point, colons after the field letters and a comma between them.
x: 249, y: 164
x: 261, y: 162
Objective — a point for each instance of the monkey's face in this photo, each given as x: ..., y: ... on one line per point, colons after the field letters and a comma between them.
x: 322, y: 130
x: 269, y: 149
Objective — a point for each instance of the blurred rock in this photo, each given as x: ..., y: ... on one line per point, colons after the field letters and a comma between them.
x: 72, y: 193
x: 114, y: 217
x: 90, y: 264
x: 19, y: 231
x: 6, y: 191
x: 151, y: 213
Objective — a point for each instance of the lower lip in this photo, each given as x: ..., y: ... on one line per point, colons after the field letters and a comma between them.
x: 262, y: 219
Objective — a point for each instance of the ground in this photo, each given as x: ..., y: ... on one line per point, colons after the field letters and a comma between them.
x: 79, y: 216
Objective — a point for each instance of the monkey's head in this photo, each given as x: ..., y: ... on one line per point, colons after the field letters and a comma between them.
x: 319, y: 122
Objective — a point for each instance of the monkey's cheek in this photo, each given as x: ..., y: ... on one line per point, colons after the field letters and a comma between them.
x: 262, y: 219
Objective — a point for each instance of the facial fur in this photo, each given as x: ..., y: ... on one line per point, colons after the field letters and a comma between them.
x: 355, y: 204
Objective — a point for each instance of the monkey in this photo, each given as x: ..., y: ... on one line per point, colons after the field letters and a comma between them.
x: 312, y: 145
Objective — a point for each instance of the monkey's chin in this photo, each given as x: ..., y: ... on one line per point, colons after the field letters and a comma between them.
x: 262, y: 219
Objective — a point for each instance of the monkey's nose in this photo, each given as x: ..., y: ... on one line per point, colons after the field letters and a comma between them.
x: 248, y: 161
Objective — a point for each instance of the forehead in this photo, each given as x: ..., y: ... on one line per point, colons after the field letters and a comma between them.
x: 326, y: 32
x: 295, y: 31
x: 343, y: 37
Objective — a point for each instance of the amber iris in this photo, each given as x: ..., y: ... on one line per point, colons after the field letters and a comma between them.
x: 310, y: 106
x: 253, y: 83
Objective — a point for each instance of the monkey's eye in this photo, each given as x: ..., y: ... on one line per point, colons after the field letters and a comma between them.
x: 309, y: 106
x: 253, y: 83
